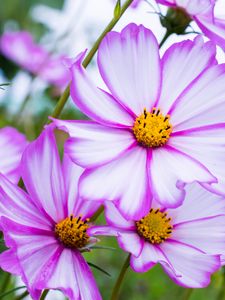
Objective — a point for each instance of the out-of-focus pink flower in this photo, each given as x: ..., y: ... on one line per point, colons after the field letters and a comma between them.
x: 45, y: 229
x: 202, y: 12
x: 20, y: 48
x: 161, y: 126
x: 12, y: 145
x: 189, y: 242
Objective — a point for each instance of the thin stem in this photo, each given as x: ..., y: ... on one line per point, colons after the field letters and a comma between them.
x: 116, y: 289
x: 167, y: 34
x: 11, y: 291
x: 97, y: 213
x: 44, y: 294
x: 63, y: 99
x: 187, y: 294
x: 22, y: 296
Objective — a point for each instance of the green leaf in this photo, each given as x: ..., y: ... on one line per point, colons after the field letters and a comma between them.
x: 117, y: 9
x: 98, y: 268
x: 102, y: 247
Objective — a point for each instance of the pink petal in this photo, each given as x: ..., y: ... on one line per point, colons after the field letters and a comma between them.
x: 73, y: 276
x: 103, y: 230
x: 205, y: 144
x: 129, y: 65
x: 42, y: 175
x: 114, y: 217
x: 131, y: 242
x: 193, y: 268
x: 170, y: 170
x: 12, y: 145
x: 9, y: 262
x: 16, y: 205
x: 123, y: 181
x: 76, y: 206
x: 213, y: 29
x: 206, y: 234
x: 195, y: 7
x: 198, y: 204
x: 202, y: 103
x: 95, y: 103
x: 92, y: 144
x: 181, y: 64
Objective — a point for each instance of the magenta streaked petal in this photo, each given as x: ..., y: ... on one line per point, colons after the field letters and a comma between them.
x: 12, y: 145
x: 170, y: 170
x: 205, y: 144
x: 181, y: 64
x: 149, y: 256
x: 42, y: 174
x: 103, y: 230
x: 202, y: 103
x: 107, y: 183
x: 198, y: 204
x: 129, y: 65
x: 114, y: 217
x: 72, y: 275
x: 193, y: 268
x: 9, y: 262
x: 131, y: 242
x: 96, y: 103
x: 196, y: 7
x: 17, y: 206
x: 167, y: 2
x: 206, y: 234
x: 92, y: 144
x: 214, y: 30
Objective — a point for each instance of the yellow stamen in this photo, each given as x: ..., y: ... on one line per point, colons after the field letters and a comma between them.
x: 155, y: 227
x: 72, y: 232
x: 152, y: 129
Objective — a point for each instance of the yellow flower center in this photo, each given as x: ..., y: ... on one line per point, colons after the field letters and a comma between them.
x: 152, y: 129
x: 155, y: 227
x: 72, y: 232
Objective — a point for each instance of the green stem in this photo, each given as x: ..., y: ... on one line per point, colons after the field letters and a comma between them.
x: 44, y: 294
x: 63, y: 99
x: 167, y: 34
x: 187, y: 294
x: 22, y: 296
x: 97, y: 213
x: 116, y: 289
x: 221, y: 294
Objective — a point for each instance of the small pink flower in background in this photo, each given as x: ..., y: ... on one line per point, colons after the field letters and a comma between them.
x: 160, y: 126
x: 12, y: 145
x: 46, y: 228
x: 202, y: 12
x: 186, y: 241
x: 20, y: 48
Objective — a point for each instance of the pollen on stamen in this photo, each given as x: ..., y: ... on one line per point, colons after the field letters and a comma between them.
x: 155, y: 227
x: 152, y: 129
x: 72, y: 232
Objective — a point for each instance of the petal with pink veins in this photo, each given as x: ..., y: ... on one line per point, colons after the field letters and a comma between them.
x: 124, y: 181
x: 96, y: 103
x: 92, y: 144
x: 42, y: 175
x: 181, y: 64
x: 207, y: 145
x: 170, y: 170
x: 193, y: 268
x: 130, y: 66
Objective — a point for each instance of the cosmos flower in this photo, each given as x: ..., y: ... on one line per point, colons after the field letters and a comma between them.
x: 186, y: 241
x: 160, y: 126
x: 20, y: 48
x: 202, y: 12
x: 46, y: 228
x: 12, y: 144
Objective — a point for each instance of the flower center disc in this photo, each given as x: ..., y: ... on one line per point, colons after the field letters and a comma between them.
x: 155, y: 227
x: 152, y: 129
x: 72, y: 232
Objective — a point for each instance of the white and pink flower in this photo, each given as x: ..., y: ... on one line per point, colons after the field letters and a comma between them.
x: 160, y: 126
x: 189, y: 241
